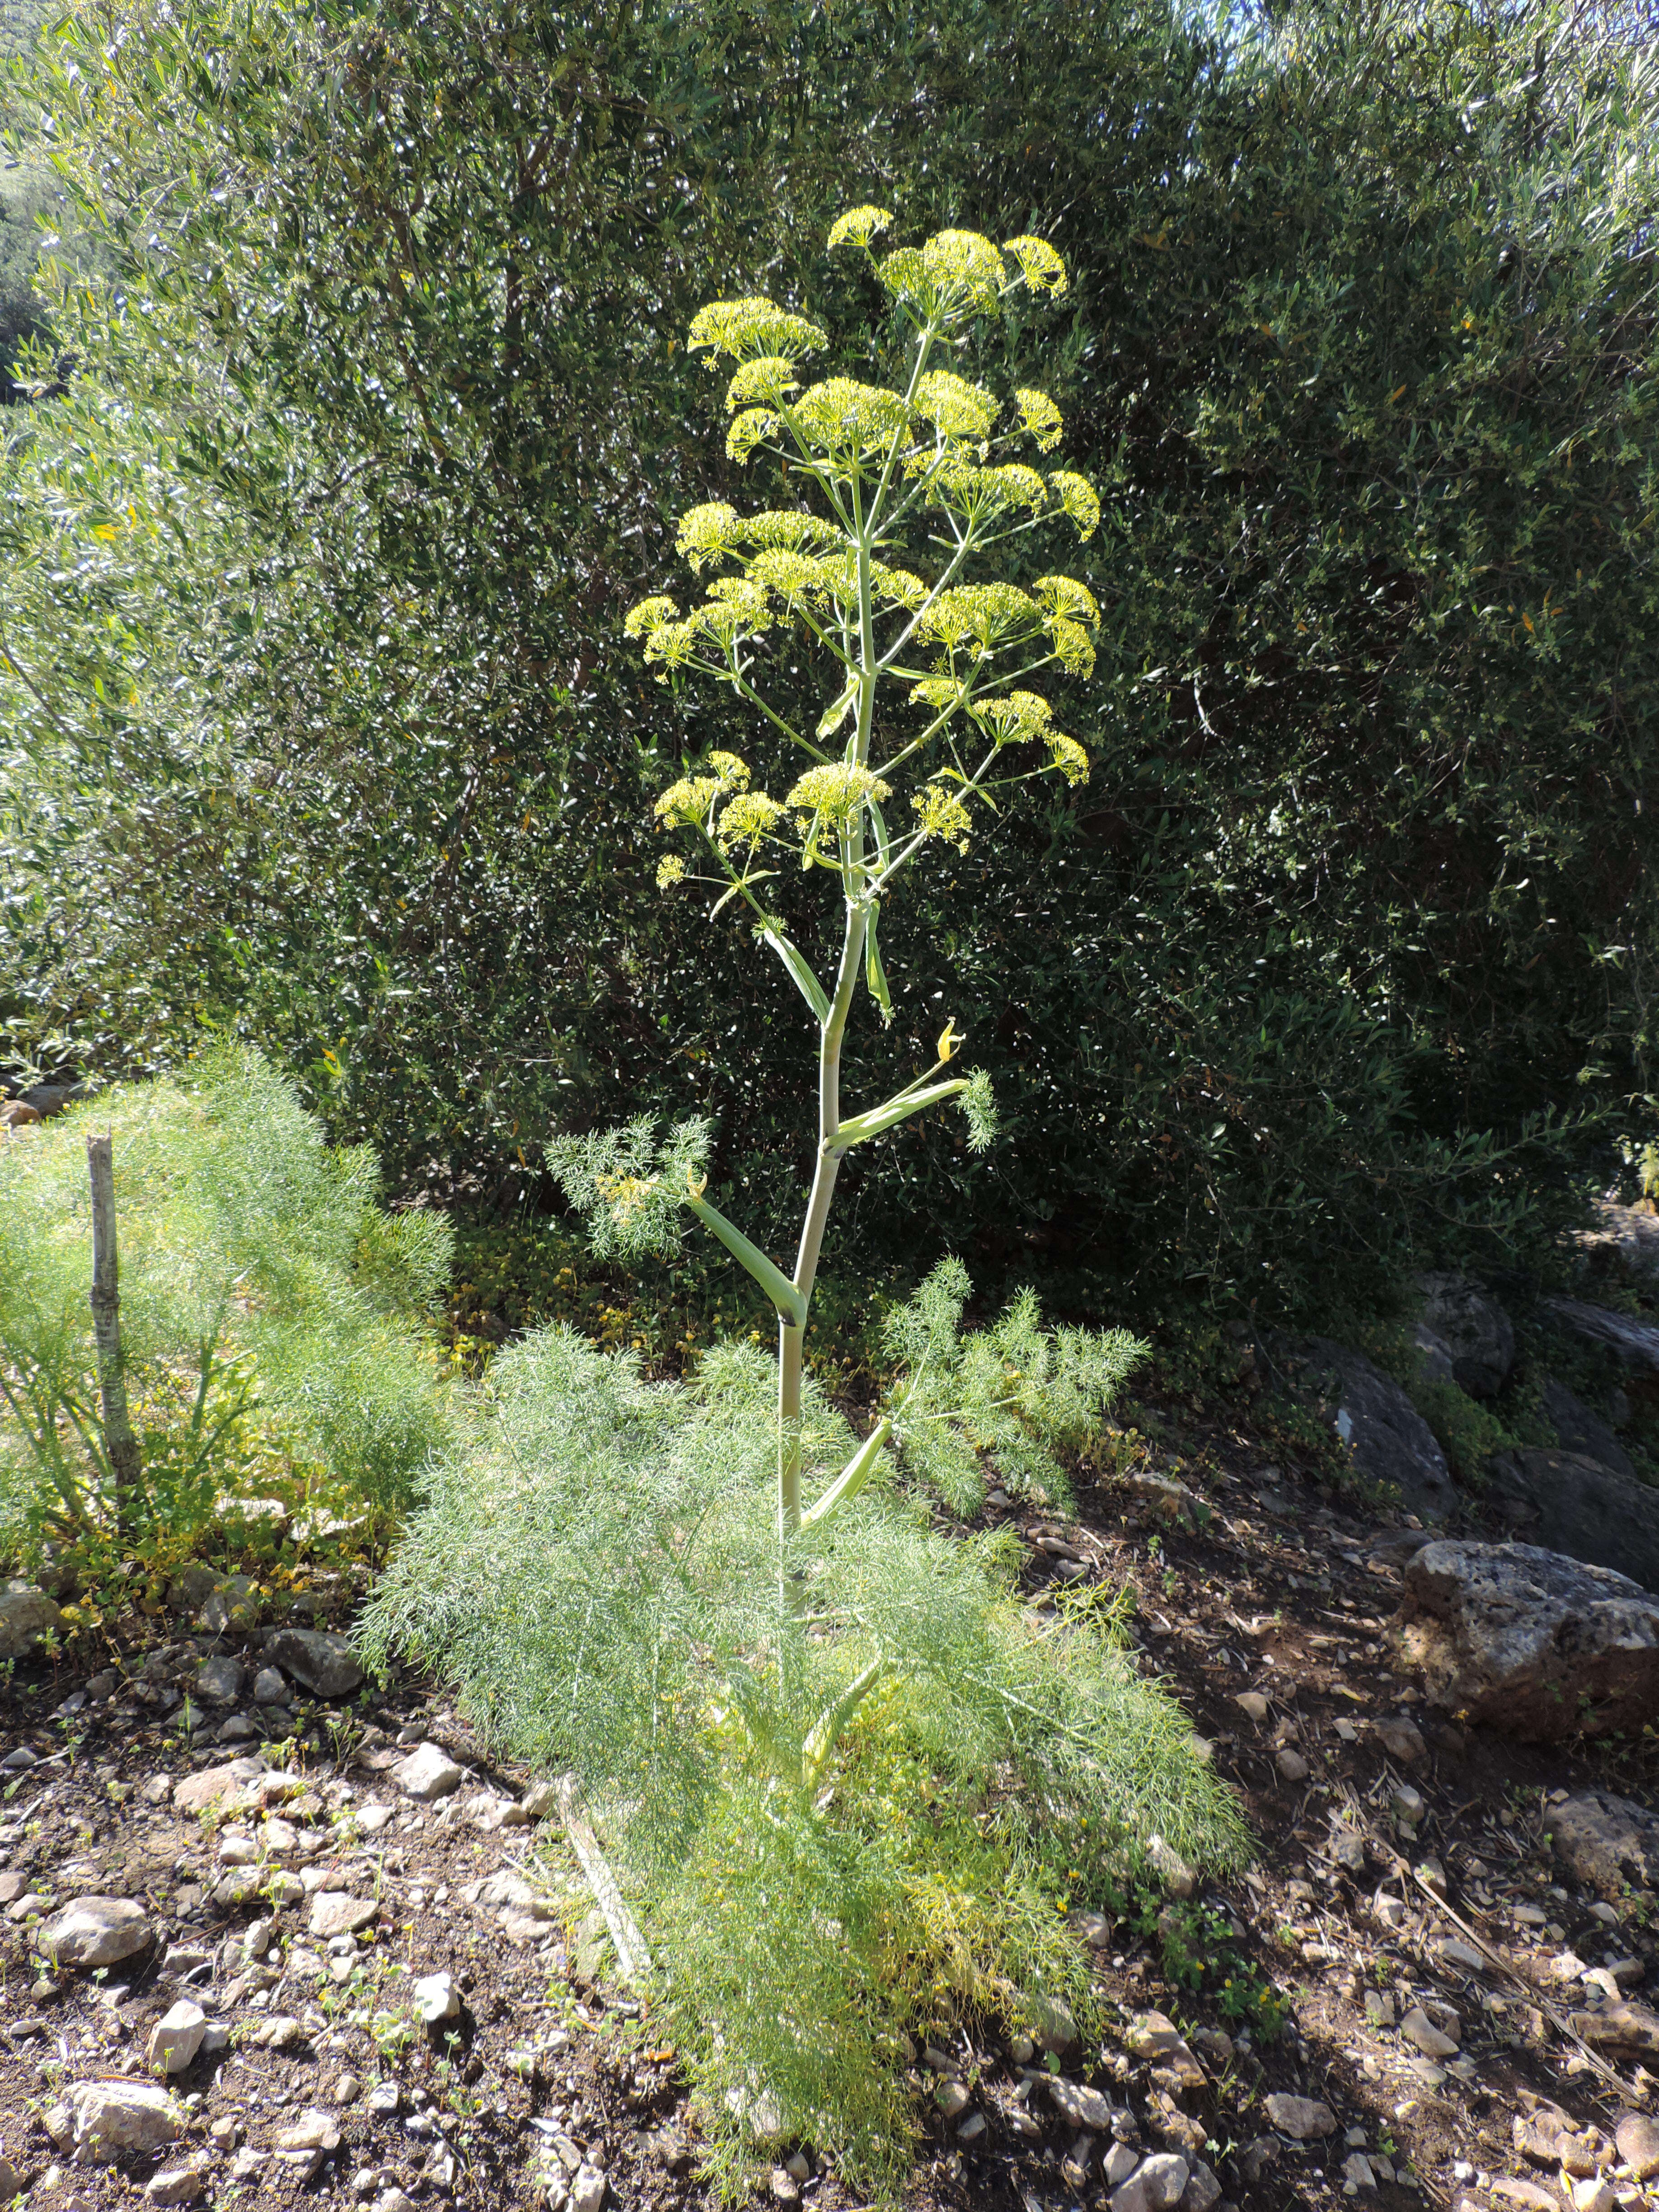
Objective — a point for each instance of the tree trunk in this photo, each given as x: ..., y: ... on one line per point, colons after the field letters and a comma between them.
x: 120, y: 1445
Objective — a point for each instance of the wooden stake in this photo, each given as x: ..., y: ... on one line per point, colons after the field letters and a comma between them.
x: 120, y: 1445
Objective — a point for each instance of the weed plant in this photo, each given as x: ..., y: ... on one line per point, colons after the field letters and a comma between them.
x: 273, y: 1316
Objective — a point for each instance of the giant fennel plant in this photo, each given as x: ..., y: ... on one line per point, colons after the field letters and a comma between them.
x: 928, y: 473
x: 850, y: 1775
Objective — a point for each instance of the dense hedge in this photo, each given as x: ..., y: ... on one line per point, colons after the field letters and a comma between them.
x: 1361, y: 355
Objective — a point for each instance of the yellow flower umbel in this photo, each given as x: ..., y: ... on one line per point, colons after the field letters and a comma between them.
x: 944, y: 815
x: 836, y: 794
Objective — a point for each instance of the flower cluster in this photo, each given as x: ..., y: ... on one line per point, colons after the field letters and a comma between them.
x: 958, y: 273
x: 942, y: 814
x: 956, y: 408
x: 752, y: 330
x: 788, y: 567
x: 689, y: 802
x: 835, y: 793
x: 746, y: 820
x: 1041, y: 417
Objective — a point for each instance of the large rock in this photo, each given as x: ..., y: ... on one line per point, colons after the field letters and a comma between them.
x: 116, y: 2119
x: 1627, y: 1233
x: 26, y: 1616
x: 1434, y: 1355
x: 1606, y: 1841
x: 1389, y: 1440
x: 1578, y: 1430
x: 95, y: 1931
x: 1584, y: 1509
x: 1474, y: 1327
x: 324, y: 1664
x: 1532, y: 1643
x: 49, y: 1099
x: 1636, y: 1342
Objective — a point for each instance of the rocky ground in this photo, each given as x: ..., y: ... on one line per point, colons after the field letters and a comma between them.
x: 274, y: 1937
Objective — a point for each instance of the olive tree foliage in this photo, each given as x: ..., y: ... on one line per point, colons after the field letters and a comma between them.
x: 1357, y: 350
x: 26, y: 192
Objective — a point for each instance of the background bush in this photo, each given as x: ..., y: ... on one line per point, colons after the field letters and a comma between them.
x: 333, y: 740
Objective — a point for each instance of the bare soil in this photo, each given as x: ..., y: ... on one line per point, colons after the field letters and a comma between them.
x: 1284, y: 1596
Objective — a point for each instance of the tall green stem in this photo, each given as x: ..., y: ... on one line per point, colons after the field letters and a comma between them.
x: 831, y: 1032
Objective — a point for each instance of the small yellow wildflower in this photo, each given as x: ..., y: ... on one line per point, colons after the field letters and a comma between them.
x: 708, y: 532
x: 747, y: 329
x: 966, y: 267
x: 1016, y: 717
x: 956, y: 408
x: 841, y: 416
x: 1068, y: 757
x: 688, y: 800
x: 1013, y: 486
x: 1040, y: 266
x: 772, y: 378
x: 1079, y: 499
x: 1064, y: 595
x: 746, y: 820
x: 671, y: 869
x: 748, y: 429
x: 987, y: 614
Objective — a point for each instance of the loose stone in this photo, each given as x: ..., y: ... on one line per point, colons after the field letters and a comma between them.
x: 427, y: 1773
x: 1157, y: 2185
x: 436, y: 1998
x: 334, y: 1913
x: 324, y: 1664
x: 176, y: 2038
x: 1433, y: 2042
x: 179, y: 2185
x: 219, y: 1682
x: 1301, y: 2118
x: 588, y: 2190
x: 1638, y: 2140
x: 96, y: 1931
x: 110, y: 2119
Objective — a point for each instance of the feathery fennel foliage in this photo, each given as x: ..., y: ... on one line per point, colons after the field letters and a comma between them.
x: 833, y: 1804
x: 261, y: 1281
